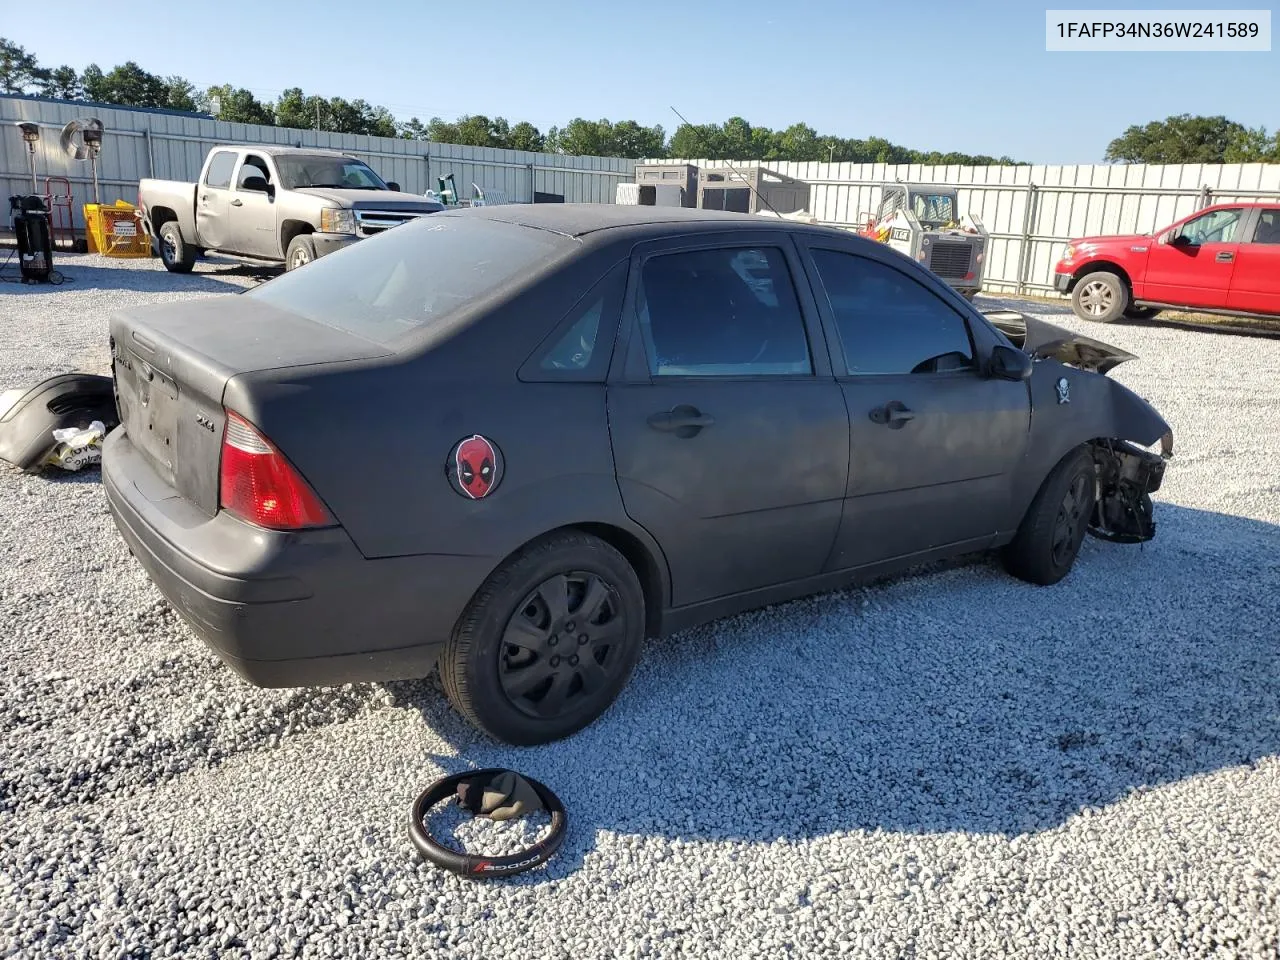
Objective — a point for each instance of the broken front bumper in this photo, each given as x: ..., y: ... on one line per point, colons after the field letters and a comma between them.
x: 1127, y: 476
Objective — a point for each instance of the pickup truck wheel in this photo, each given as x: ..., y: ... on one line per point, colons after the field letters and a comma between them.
x: 175, y: 253
x: 1102, y: 297
x: 301, y: 252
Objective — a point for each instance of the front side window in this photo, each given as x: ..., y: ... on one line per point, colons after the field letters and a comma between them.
x: 1217, y: 226
x: 345, y: 173
x: 218, y: 175
x: 889, y: 323
x: 722, y: 312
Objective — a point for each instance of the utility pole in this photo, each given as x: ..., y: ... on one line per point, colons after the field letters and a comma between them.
x: 317, y: 114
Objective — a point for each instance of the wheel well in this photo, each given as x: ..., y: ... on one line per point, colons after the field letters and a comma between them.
x: 290, y: 229
x: 642, y: 562
x: 160, y: 216
x: 1100, y: 266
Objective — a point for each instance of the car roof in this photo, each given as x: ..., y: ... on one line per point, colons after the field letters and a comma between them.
x: 580, y: 219
x: 282, y: 149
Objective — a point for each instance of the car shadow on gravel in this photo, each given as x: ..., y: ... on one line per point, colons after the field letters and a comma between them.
x: 957, y: 701
x: 208, y: 278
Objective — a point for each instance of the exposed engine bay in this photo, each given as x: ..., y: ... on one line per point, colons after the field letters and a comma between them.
x: 1127, y: 476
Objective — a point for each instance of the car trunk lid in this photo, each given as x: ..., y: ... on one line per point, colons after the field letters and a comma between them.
x: 171, y: 364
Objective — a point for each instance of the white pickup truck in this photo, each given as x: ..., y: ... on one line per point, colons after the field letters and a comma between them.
x: 273, y: 204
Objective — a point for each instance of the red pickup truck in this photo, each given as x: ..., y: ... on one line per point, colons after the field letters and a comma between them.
x: 1223, y: 259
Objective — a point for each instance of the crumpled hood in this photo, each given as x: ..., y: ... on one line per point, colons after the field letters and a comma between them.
x: 374, y: 199
x: 1045, y: 340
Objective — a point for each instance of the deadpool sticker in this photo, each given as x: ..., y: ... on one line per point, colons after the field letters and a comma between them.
x: 475, y: 467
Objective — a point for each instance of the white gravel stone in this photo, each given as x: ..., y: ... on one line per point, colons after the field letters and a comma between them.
x: 953, y: 764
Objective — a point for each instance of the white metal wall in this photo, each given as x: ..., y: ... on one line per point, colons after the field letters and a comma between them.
x: 1033, y: 211
x: 141, y: 143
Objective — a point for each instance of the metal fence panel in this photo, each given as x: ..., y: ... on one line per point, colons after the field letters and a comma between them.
x: 1032, y: 211
x: 171, y: 146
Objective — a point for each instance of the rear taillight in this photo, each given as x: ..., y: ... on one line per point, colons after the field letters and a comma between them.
x: 256, y: 483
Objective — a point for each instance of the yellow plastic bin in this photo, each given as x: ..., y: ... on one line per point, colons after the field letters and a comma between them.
x: 115, y: 231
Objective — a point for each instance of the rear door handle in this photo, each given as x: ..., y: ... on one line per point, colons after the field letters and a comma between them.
x: 893, y: 414
x: 237, y: 203
x: 1225, y: 256
x: 683, y: 420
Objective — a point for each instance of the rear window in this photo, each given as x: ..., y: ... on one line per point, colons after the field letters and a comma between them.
x: 397, y: 284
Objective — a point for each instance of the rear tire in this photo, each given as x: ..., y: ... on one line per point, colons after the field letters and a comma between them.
x: 302, y: 250
x: 517, y: 663
x: 176, y: 254
x: 1102, y: 297
x: 1048, y: 541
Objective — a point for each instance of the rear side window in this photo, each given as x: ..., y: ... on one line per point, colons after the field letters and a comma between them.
x: 724, y: 312
x: 397, y: 284
x: 220, y: 167
x: 1268, y: 230
x: 889, y: 323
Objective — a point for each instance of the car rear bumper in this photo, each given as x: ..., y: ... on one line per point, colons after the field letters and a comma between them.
x: 287, y: 609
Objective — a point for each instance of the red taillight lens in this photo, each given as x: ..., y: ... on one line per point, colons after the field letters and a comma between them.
x: 257, y: 484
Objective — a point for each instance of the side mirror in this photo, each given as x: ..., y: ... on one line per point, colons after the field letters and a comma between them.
x: 1179, y: 240
x: 1009, y: 364
x: 256, y: 184
x: 393, y: 186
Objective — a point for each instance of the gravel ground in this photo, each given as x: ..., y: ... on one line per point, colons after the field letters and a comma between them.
x: 955, y: 764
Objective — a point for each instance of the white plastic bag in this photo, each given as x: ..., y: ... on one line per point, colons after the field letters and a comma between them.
x: 77, y: 447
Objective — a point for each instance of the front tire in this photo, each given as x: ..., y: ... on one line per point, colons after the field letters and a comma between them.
x: 1048, y: 541
x: 302, y: 250
x: 548, y: 642
x: 1102, y: 297
x: 176, y: 254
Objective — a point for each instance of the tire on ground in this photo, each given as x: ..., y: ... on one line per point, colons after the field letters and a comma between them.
x: 1031, y: 555
x: 1101, y: 296
x: 470, y: 661
x: 302, y: 250
x: 176, y: 254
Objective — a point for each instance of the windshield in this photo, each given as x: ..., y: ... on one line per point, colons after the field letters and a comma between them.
x: 934, y: 209
x: 341, y: 172
x: 396, y: 284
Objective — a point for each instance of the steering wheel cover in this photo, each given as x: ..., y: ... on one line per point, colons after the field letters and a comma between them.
x: 478, y: 866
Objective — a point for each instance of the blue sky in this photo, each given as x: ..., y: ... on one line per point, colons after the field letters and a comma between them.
x: 847, y: 68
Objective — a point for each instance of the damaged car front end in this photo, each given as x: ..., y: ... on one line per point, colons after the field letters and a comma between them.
x: 1119, y: 427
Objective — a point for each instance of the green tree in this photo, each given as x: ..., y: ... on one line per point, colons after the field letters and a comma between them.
x: 626, y: 138
x: 93, y: 83
x: 525, y: 136
x: 1178, y: 139
x: 131, y: 86
x: 236, y: 105
x: 180, y: 94
x: 62, y: 83
x: 413, y: 129
x: 1254, y: 146
x: 19, y: 70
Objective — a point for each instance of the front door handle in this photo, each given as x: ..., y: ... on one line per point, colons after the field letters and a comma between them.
x: 1225, y: 256
x: 893, y: 414
x: 237, y: 203
x: 683, y: 420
